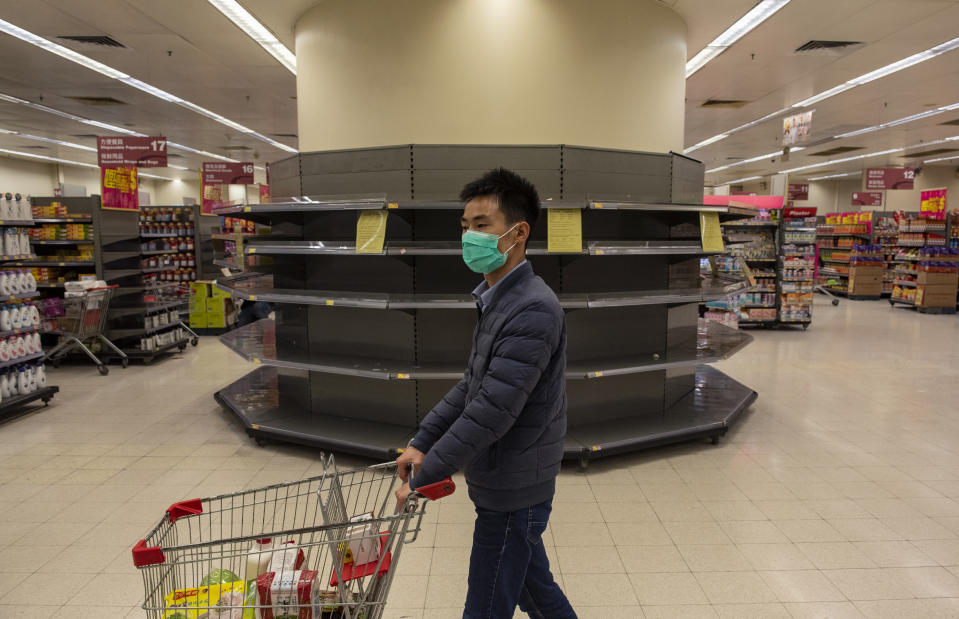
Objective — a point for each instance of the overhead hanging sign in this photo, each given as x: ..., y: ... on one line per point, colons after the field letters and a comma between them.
x: 867, y: 198
x: 228, y: 173
x: 215, y: 174
x: 119, y: 189
x: 796, y: 128
x: 932, y: 203
x: 878, y: 179
x: 799, y: 212
x: 798, y: 191
x: 132, y: 152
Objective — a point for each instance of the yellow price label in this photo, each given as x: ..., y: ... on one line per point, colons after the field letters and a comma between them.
x: 255, y: 427
x: 393, y: 205
x: 597, y: 374
x: 62, y: 264
x: 256, y: 359
x: 599, y: 252
x: 597, y: 205
x: 402, y: 376
x: 596, y: 447
x: 329, y: 302
x: 247, y: 209
x: 252, y: 297
x: 251, y: 250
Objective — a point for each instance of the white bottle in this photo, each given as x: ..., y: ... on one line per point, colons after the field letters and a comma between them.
x: 22, y: 382
x: 35, y: 316
x: 37, y: 346
x: 4, y: 385
x: 24, y: 311
x: 4, y: 350
x: 15, y: 282
x: 25, y: 213
x: 31, y: 373
x: 12, y: 283
x: 13, y: 382
x: 6, y: 322
x: 19, y: 348
x: 31, y: 282
x: 41, y: 375
x: 4, y: 284
x: 22, y: 282
x: 5, y: 205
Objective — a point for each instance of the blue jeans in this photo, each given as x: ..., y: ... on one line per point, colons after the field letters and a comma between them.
x: 508, y: 565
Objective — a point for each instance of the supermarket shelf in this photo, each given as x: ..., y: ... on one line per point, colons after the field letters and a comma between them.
x: 157, y: 252
x: 147, y: 356
x: 228, y: 236
x: 740, y: 224
x: 855, y: 234
x: 833, y: 273
x: 160, y: 269
x: 64, y: 220
x: 63, y: 242
x: 18, y: 297
x: 751, y: 306
x: 455, y: 248
x: 12, y: 405
x: 26, y: 359
x: 20, y: 257
x: 50, y: 285
x: 794, y: 279
x: 756, y: 321
x: 760, y: 259
x: 269, y: 412
x: 831, y: 260
x: 796, y: 321
x: 123, y: 333
x: 709, y: 342
x: 17, y: 222
x: 253, y: 288
x: 37, y: 263
x: 894, y: 301
x: 19, y: 331
x: 902, y: 282
x: 165, y: 236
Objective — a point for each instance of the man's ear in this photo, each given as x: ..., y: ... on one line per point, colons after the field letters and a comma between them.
x: 523, y: 231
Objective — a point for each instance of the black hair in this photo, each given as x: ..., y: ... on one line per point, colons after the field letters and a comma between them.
x: 517, y: 197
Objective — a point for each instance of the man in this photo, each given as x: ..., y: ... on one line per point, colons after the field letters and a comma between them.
x: 505, y: 421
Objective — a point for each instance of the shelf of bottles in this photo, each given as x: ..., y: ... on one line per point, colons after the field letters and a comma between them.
x: 167, y: 245
x: 751, y: 242
x: 797, y: 266
x: 886, y: 236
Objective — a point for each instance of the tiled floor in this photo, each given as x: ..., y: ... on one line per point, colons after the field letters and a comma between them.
x: 834, y: 497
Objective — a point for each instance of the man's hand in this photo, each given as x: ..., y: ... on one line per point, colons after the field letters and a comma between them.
x: 401, y: 494
x: 412, y: 456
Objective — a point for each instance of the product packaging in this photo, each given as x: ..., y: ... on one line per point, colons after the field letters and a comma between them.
x: 292, y: 595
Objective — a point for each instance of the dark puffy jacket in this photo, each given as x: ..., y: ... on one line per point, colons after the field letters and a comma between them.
x: 505, y: 421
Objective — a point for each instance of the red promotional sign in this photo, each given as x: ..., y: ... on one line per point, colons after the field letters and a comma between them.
x: 867, y: 198
x: 889, y: 178
x: 131, y: 152
x: 227, y: 173
x: 796, y: 212
x: 798, y: 192
x: 119, y: 189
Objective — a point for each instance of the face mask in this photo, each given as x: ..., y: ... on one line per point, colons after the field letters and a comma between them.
x: 481, y: 251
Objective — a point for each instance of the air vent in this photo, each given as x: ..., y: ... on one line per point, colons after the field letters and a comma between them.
x: 724, y: 103
x: 951, y: 122
x: 236, y: 148
x: 97, y: 100
x: 928, y: 153
x: 284, y: 135
x: 828, y: 48
x: 97, y: 40
x: 836, y: 151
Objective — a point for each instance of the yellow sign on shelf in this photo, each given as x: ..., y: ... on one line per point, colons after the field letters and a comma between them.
x: 565, y: 231
x: 371, y: 232
x: 711, y: 233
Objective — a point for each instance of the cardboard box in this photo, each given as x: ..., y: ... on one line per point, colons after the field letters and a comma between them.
x: 936, y: 296
x: 198, y: 320
x: 937, y: 279
x: 216, y: 293
x: 199, y: 289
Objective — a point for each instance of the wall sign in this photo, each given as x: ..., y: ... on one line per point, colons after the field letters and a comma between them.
x: 889, y: 178
x: 131, y: 152
x: 867, y: 198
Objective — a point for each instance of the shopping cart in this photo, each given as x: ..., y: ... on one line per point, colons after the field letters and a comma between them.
x: 84, y: 317
x: 322, y: 547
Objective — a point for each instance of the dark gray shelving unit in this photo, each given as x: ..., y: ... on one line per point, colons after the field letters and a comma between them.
x: 363, y: 346
x: 119, y: 232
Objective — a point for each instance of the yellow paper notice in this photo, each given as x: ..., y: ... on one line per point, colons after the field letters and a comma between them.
x: 371, y: 232
x: 711, y: 233
x: 747, y: 272
x: 565, y: 234
x: 110, y: 178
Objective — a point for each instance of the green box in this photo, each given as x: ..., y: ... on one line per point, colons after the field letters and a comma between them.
x: 198, y: 320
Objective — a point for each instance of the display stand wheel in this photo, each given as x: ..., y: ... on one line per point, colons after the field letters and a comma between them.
x: 195, y: 341
x: 104, y: 370
x: 836, y: 302
x: 182, y: 346
x: 125, y: 362
x: 804, y: 327
x: 714, y: 440
x: 55, y: 362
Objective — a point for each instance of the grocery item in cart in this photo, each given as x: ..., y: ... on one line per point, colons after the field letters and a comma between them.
x: 258, y: 558
x: 196, y: 603
x: 287, y: 557
x: 362, y: 543
x: 291, y: 595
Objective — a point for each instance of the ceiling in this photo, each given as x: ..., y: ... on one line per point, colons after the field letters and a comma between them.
x: 189, y: 49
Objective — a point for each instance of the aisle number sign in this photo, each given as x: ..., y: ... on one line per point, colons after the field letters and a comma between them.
x: 371, y: 232
x: 711, y: 233
x: 132, y: 152
x: 214, y: 175
x: 932, y: 203
x: 565, y: 230
x: 867, y: 198
x: 878, y: 179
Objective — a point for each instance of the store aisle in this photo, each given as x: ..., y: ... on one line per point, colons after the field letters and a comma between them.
x: 834, y: 497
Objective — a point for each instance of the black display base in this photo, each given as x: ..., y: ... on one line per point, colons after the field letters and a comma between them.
x: 214, y: 331
x: 936, y: 310
x: 147, y: 356
x: 13, y: 407
x: 706, y: 412
x: 864, y: 297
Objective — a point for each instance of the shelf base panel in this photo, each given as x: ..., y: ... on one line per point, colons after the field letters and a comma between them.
x: 13, y: 407
x: 706, y: 412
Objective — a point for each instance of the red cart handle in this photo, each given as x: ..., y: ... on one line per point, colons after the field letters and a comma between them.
x: 438, y: 490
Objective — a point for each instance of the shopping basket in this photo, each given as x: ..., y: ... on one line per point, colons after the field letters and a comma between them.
x: 326, y: 546
x: 84, y: 318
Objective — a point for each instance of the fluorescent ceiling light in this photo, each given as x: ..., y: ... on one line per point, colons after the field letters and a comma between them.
x: 867, y: 155
x: 742, y: 180
x: 256, y: 31
x: 108, y: 127
x: 110, y: 72
x: 940, y: 159
x: 45, y: 158
x: 759, y: 13
x: 822, y: 178
x: 865, y: 78
x: 777, y: 153
x: 48, y: 140
x: 162, y: 178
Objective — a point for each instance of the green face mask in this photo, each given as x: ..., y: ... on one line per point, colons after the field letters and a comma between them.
x: 481, y: 251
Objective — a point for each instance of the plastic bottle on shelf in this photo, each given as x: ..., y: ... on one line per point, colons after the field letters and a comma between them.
x: 41, y: 375
x: 31, y: 281
x: 5, y: 203
x: 35, y: 316
x: 37, y: 345
x: 22, y: 382
x: 6, y: 320
x: 5, y: 283
x: 15, y: 322
x: 4, y: 350
x: 19, y: 348
x: 5, y: 385
x: 23, y: 212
